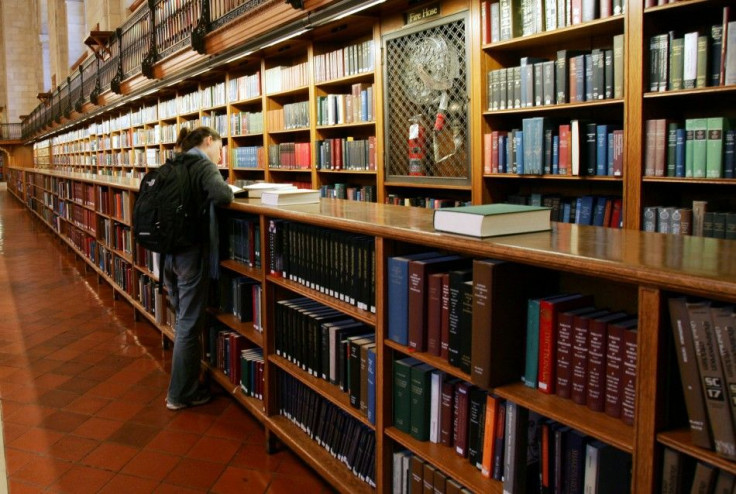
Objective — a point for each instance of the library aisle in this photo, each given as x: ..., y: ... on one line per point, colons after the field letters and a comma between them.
x: 82, y: 389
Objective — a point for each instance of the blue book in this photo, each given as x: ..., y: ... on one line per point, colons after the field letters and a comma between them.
x: 566, y: 206
x: 363, y: 105
x: 584, y: 210
x: 609, y: 155
x: 532, y: 343
x: 519, y: 151
x: 502, y: 144
x: 509, y: 166
x: 555, y: 155
x: 601, y: 155
x: 729, y: 154
x: 372, y: 385
x: 527, y: 145
x: 599, y: 210
x: 680, y: 153
x: 398, y: 295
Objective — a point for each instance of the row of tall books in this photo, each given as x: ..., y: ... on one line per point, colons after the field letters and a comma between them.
x: 426, y: 202
x: 694, y: 59
x: 291, y: 116
x: 583, y: 353
x: 217, y: 122
x: 344, y: 437
x: 244, y: 87
x: 346, y: 153
x: 413, y: 474
x: 575, y: 76
x: 290, y: 155
x: 681, y: 474
x: 596, y: 210
x: 233, y: 355
x: 702, y: 148
x: 150, y: 297
x: 213, y: 95
x: 123, y: 275
x: 689, y: 221
x: 285, y: 78
x: 242, y: 240
x: 540, y: 147
x: 240, y: 296
x: 245, y: 122
x: 329, y: 345
x: 148, y: 259
x: 338, y: 109
x: 248, y: 157
x: 338, y: 265
x: 507, y: 19
x: 702, y: 332
x: 347, y: 61
x: 365, y: 193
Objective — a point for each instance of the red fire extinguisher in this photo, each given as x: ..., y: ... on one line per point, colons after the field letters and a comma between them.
x: 417, y: 144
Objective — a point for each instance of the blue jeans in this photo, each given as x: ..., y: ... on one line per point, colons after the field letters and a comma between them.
x: 187, y: 284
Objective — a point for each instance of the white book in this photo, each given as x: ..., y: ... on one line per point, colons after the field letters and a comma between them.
x: 690, y: 60
x: 434, y: 412
x: 590, y: 482
x: 284, y: 197
x: 575, y: 147
x: 730, y: 40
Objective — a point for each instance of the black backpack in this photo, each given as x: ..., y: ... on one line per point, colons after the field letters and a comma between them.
x: 169, y: 214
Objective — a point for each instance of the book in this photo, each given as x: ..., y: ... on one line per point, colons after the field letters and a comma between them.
x: 398, y: 295
x: 402, y: 393
x: 724, y: 325
x: 257, y: 189
x: 607, y: 469
x: 287, y: 197
x: 563, y: 354
x: 420, y: 393
x: 515, y: 444
x: 492, y: 219
x: 596, y: 379
x: 615, y: 352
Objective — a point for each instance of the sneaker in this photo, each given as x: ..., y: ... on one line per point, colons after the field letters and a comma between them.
x: 200, y: 399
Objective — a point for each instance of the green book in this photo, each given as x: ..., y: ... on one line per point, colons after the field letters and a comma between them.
x: 489, y: 220
x: 402, y: 393
x: 699, y: 128
x: 701, y: 79
x: 671, y: 148
x: 618, y: 66
x: 714, y: 147
x: 420, y: 392
x: 677, y: 45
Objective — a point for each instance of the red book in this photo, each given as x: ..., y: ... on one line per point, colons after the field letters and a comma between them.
x: 447, y: 411
x: 580, y: 355
x: 434, y: 313
x: 563, y: 167
x: 614, y: 365
x: 488, y: 153
x: 548, y: 312
x: 563, y: 372
x: 628, y: 391
x: 616, y: 214
x: 485, y: 20
x: 597, y: 335
x: 445, y: 317
x: 460, y: 422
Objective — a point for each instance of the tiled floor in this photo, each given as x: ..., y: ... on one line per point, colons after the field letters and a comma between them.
x: 82, y: 389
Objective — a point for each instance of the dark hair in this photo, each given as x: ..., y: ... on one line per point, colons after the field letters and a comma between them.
x: 189, y: 139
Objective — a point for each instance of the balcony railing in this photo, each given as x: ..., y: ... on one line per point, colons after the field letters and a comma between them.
x: 10, y: 132
x: 158, y: 29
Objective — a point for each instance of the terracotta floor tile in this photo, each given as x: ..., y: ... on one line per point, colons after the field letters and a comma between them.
x: 50, y: 380
x: 107, y: 389
x: 57, y: 398
x: 72, y: 448
x: 62, y: 421
x: 196, y: 474
x: 82, y: 480
x: 282, y: 484
x: 144, y: 395
x: 98, y: 428
x: 214, y: 449
x: 241, y: 480
x: 174, y: 442
x: 120, y: 410
x: 86, y: 404
x: 135, y: 435
x: 13, y: 431
x: 79, y: 385
x: 36, y: 440
x: 26, y: 414
x: 165, y: 488
x: 254, y: 456
x: 15, y: 459
x: 191, y: 421
x: 17, y: 487
x: 151, y: 465
x: 71, y: 368
x: 43, y: 472
x: 155, y: 414
x: 129, y: 485
x: 110, y: 456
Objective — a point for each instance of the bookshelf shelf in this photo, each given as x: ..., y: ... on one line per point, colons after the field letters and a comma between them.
x: 599, y: 27
x: 553, y: 177
x: 253, y: 405
x: 346, y: 126
x: 299, y: 91
x: 144, y: 270
x: 347, y: 172
x: 597, y: 424
x: 680, y: 440
x: 343, y: 307
x: 243, y: 328
x: 286, y: 170
x: 681, y: 5
x: 289, y: 131
x: 239, y: 267
x: 557, y: 108
x: 245, y: 136
x: 680, y: 180
x: 247, y: 102
x: 445, y: 459
x: 347, y: 80
x: 428, y: 186
x: 325, y: 389
x: 323, y: 462
x: 715, y: 92
x: 436, y: 362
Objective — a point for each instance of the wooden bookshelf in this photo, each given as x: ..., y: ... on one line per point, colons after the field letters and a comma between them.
x: 679, y: 440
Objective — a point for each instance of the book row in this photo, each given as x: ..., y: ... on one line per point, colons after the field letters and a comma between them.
x: 680, y: 473
x: 344, y: 437
x: 540, y: 147
x: 690, y: 221
x: 366, y: 193
x: 234, y: 356
x: 346, y: 154
x: 248, y: 157
x: 693, y: 60
x: 241, y: 240
x: 347, y: 61
x: 327, y: 344
x: 703, y: 336
x: 582, y: 353
x: 573, y: 77
x: 423, y: 201
x: 507, y: 19
x: 701, y: 148
x: 328, y: 261
x: 338, y: 109
x: 413, y: 474
x: 285, y: 78
x: 244, y: 123
x: 150, y: 297
x: 241, y: 297
x: 215, y: 121
x: 244, y: 87
x: 291, y: 116
x: 290, y: 155
x: 582, y: 210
